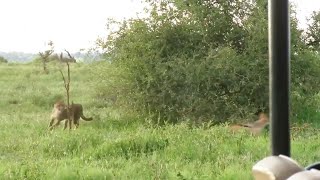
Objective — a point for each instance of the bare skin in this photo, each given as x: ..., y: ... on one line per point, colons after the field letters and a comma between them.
x: 256, y: 127
x: 59, y: 113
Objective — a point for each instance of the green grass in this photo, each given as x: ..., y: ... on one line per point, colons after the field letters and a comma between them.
x: 116, y: 146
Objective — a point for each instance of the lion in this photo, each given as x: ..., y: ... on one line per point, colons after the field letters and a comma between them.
x: 59, y: 113
x: 256, y: 127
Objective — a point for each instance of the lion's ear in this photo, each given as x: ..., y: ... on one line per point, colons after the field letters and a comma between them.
x: 59, y: 103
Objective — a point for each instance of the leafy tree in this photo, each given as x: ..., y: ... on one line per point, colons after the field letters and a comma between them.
x: 313, y: 32
x: 45, y: 56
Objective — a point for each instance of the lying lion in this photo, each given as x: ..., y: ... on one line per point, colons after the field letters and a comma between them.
x: 255, y: 128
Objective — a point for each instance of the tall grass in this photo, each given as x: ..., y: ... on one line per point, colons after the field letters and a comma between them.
x: 115, y: 145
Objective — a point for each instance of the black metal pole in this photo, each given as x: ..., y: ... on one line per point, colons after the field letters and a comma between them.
x: 279, y: 65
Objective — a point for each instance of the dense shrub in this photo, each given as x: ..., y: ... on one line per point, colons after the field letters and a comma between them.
x: 202, y: 60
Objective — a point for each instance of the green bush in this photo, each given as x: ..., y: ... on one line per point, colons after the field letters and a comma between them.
x: 201, y: 61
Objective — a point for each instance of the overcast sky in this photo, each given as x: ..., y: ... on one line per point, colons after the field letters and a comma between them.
x: 26, y: 25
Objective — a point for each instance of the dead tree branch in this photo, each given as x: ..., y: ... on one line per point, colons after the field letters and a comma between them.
x: 71, y: 58
x: 67, y: 87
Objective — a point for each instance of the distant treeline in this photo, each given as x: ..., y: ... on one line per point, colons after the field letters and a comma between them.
x: 18, y: 56
x: 27, y: 57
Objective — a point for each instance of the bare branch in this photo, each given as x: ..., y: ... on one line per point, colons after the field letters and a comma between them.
x: 68, y: 73
x: 63, y: 78
x: 71, y: 57
x: 67, y: 87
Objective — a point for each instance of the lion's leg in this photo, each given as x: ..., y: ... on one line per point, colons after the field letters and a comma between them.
x: 66, y: 124
x: 76, y: 123
x: 54, y: 124
x: 51, y: 122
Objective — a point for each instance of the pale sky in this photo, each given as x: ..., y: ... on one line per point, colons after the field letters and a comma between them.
x: 305, y: 8
x: 26, y: 25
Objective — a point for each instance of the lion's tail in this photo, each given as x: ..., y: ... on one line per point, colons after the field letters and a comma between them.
x: 86, y: 119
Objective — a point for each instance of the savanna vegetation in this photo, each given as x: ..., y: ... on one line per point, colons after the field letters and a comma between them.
x: 161, y: 99
x: 117, y: 144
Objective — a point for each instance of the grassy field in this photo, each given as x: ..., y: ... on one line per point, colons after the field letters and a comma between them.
x: 115, y: 146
